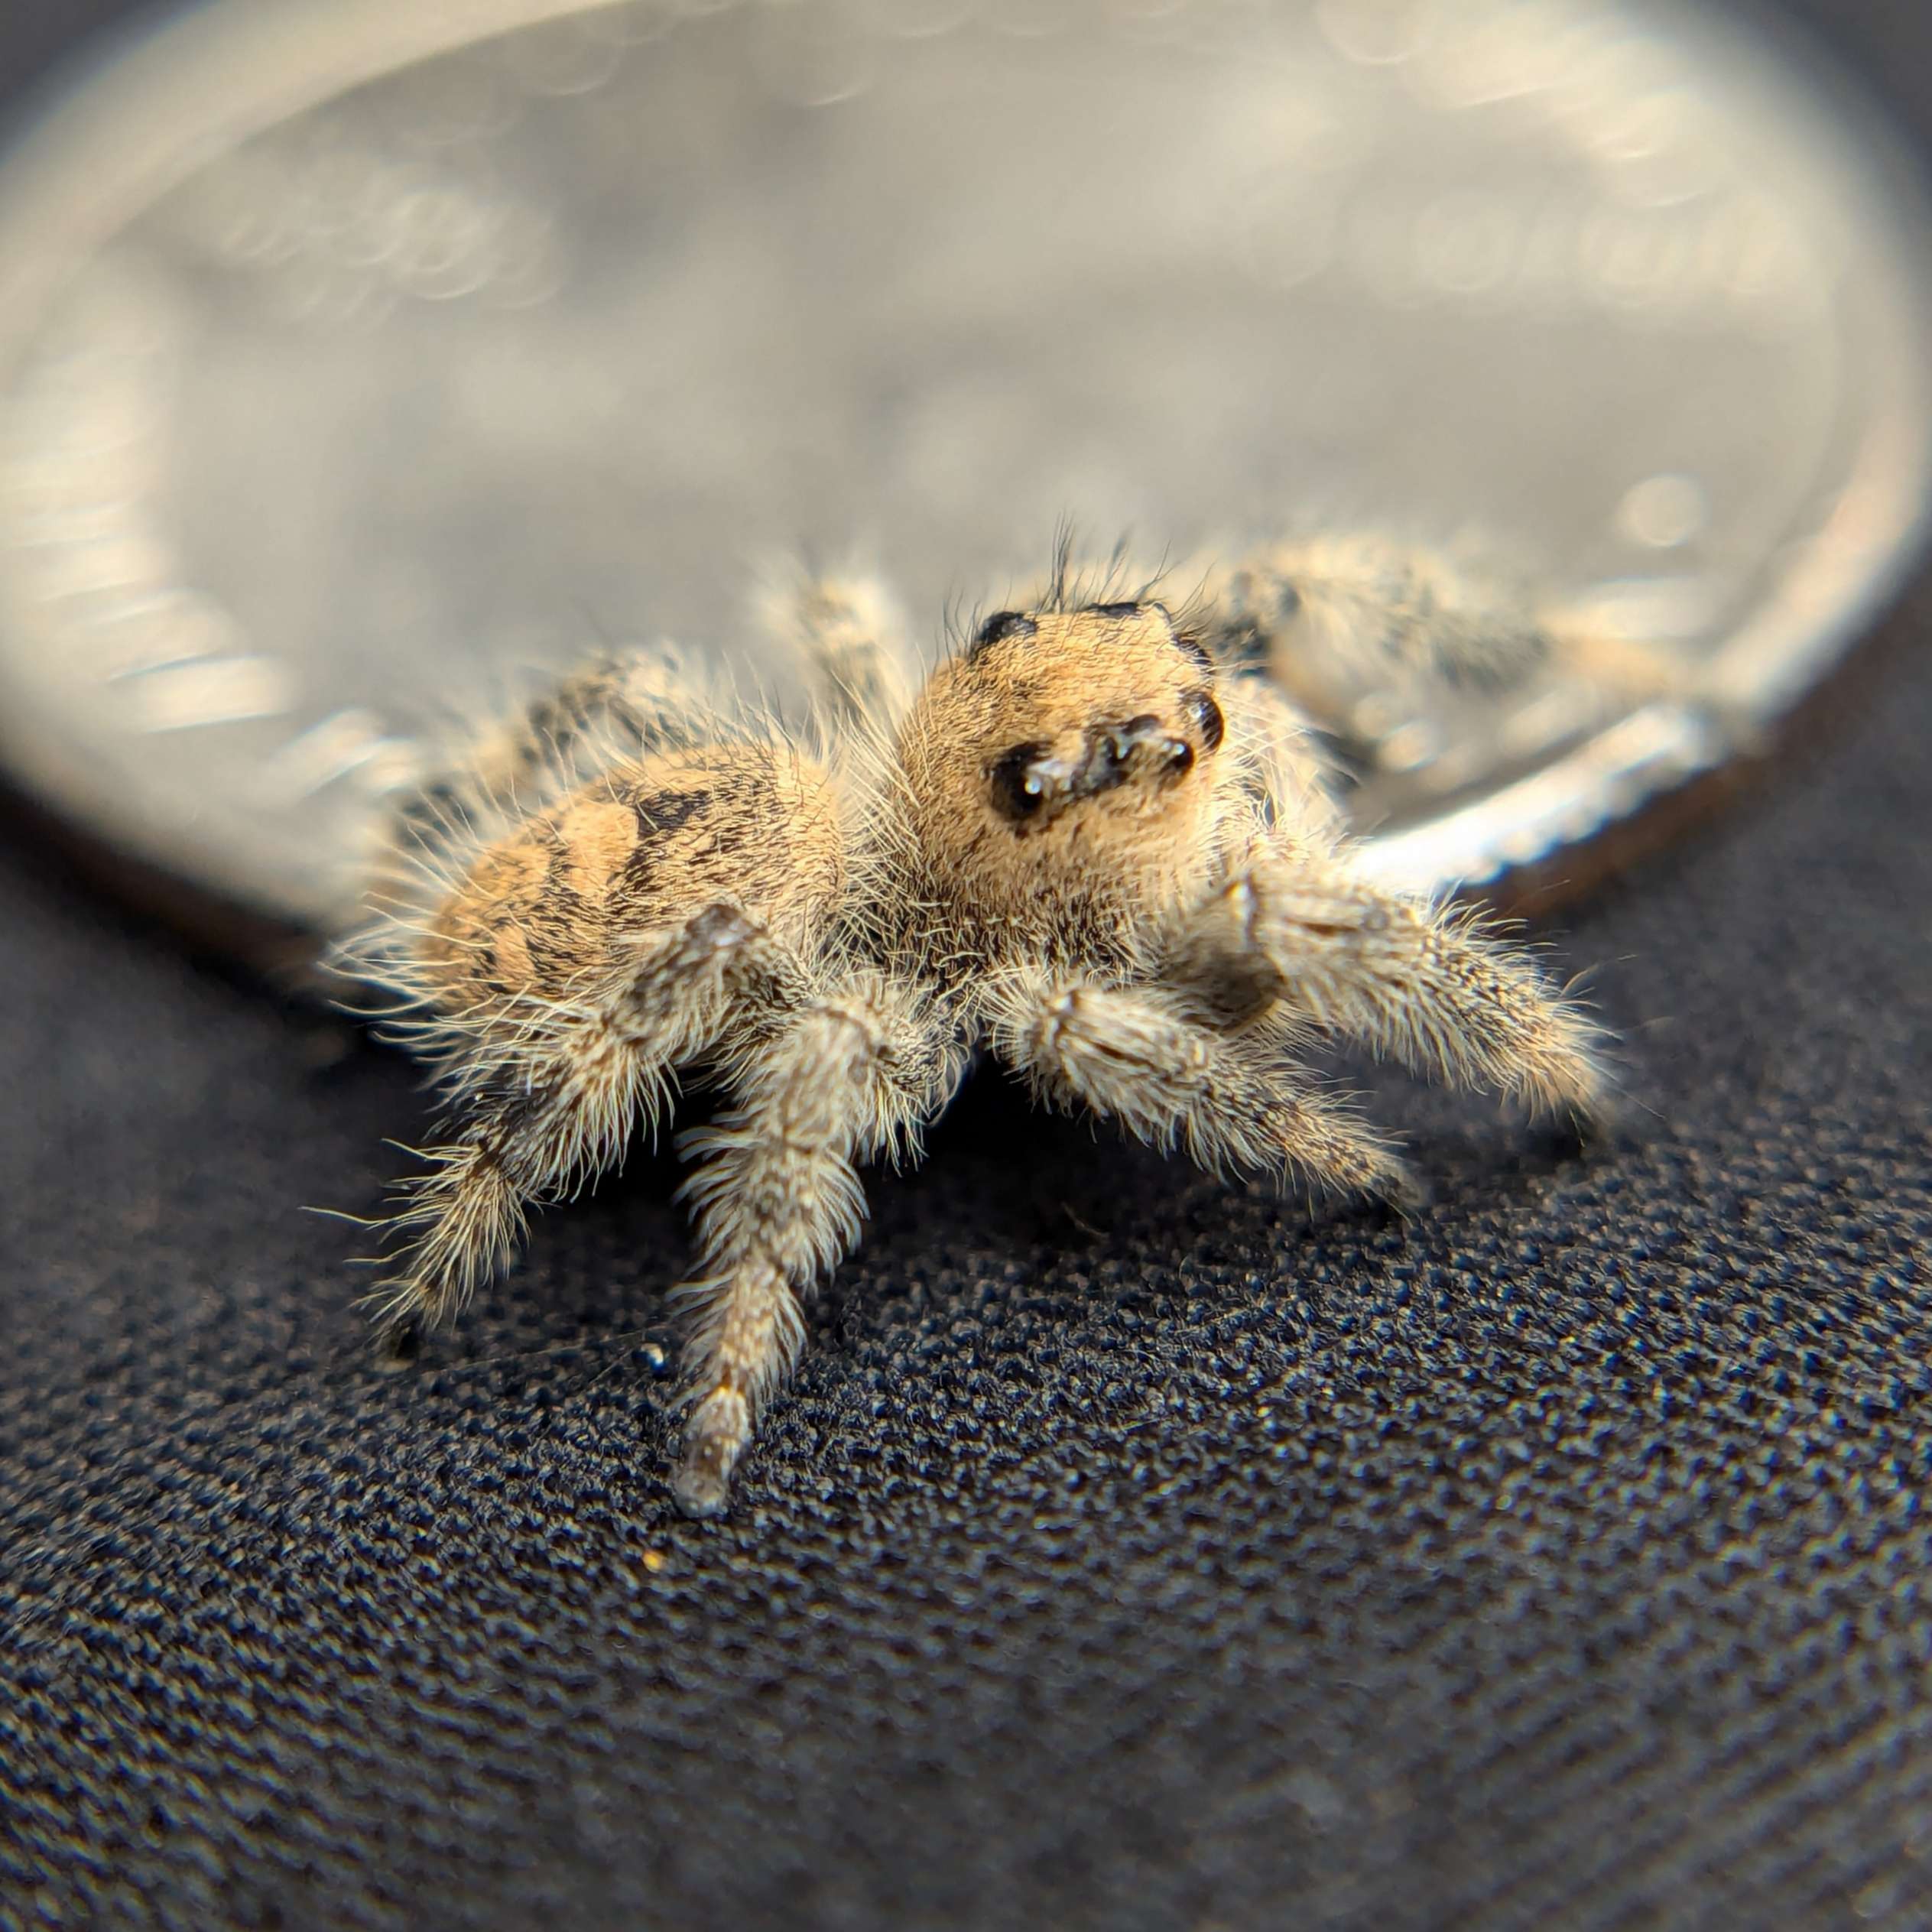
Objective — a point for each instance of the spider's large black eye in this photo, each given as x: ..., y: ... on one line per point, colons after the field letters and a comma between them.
x: 1003, y: 624
x: 1017, y: 792
x: 1206, y: 716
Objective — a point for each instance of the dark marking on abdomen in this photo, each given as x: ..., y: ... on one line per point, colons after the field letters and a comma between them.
x: 659, y: 813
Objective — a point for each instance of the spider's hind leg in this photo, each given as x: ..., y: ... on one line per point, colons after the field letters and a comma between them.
x: 848, y: 634
x: 545, y: 1095
x: 621, y: 704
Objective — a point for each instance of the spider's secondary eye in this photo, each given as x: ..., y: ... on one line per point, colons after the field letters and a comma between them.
x: 1114, y: 610
x: 1018, y: 791
x: 1193, y: 651
x: 1003, y: 624
x: 1190, y: 647
x: 1206, y: 714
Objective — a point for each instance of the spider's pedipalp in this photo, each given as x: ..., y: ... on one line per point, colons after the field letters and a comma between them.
x: 1233, y: 1103
x: 1284, y: 772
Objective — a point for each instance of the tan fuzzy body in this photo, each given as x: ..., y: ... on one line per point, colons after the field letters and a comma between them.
x: 557, y: 904
x: 1085, y: 842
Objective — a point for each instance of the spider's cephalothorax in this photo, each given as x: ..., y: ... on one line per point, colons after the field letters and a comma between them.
x: 1061, y: 784
x: 1080, y: 842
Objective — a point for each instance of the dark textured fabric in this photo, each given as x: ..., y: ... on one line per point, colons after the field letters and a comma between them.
x: 1133, y: 1550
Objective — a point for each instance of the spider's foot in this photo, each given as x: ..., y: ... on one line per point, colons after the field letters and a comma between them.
x: 716, y: 1436
x: 1404, y: 1188
x: 397, y: 1344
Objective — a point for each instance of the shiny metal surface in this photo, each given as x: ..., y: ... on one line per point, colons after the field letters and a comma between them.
x: 358, y: 361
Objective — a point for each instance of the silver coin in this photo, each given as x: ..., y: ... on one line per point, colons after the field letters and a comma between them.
x: 358, y: 361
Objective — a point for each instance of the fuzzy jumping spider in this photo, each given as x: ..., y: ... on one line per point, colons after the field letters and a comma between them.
x: 1085, y: 842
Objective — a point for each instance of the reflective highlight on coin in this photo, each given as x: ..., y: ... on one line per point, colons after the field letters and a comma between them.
x: 454, y: 339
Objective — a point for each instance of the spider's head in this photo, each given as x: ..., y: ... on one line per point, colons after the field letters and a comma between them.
x: 1065, y: 754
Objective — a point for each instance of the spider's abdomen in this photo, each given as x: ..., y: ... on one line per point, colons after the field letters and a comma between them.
x: 558, y: 908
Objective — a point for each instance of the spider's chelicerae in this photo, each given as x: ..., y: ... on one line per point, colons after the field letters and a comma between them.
x: 1088, y: 841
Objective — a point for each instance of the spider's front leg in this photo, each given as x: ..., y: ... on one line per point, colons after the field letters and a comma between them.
x: 850, y: 1073
x: 1414, y: 981
x: 1231, y: 1101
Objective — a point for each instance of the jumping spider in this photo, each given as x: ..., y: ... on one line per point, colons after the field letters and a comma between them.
x: 1088, y: 841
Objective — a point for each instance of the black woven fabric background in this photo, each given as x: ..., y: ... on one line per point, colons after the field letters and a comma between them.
x: 1133, y: 1551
